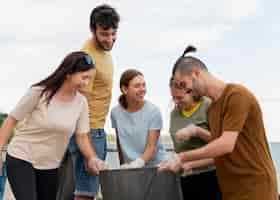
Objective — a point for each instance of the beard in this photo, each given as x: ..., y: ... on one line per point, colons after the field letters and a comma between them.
x: 102, y: 46
x: 196, y: 92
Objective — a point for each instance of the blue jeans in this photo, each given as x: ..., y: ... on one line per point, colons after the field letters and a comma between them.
x: 86, y: 184
x: 3, y: 178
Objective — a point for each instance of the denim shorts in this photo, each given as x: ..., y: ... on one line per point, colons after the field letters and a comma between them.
x: 86, y: 184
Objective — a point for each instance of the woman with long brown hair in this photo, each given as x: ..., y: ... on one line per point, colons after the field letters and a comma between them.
x: 51, y: 111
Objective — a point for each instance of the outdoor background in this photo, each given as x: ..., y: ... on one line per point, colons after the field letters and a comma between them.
x: 237, y: 39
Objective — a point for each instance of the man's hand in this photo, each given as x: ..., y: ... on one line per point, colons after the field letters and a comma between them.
x: 174, y: 164
x: 186, y: 133
x: 137, y: 163
x: 95, y: 165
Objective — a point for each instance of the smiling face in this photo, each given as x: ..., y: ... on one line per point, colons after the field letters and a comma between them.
x: 79, y: 80
x: 105, y: 38
x: 136, y: 89
x: 192, y: 82
x: 182, y: 99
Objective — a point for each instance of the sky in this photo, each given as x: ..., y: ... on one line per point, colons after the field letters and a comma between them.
x: 237, y: 39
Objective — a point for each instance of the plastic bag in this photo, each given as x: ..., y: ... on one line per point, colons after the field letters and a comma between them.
x: 140, y: 184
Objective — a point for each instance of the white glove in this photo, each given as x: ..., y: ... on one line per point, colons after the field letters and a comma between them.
x: 173, y: 164
x: 94, y: 165
x: 187, y: 173
x: 187, y: 169
x: 137, y: 163
x: 186, y: 133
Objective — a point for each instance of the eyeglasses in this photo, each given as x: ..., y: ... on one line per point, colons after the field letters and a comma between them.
x: 180, y: 85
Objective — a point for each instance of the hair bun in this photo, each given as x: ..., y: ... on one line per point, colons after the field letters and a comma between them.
x: 189, y: 49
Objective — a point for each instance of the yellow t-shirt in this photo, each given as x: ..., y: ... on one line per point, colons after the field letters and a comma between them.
x: 188, y: 113
x: 99, y: 91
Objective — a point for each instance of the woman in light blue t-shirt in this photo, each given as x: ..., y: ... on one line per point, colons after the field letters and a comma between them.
x: 137, y: 123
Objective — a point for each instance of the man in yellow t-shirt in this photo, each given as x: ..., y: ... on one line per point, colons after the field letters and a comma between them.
x: 104, y: 22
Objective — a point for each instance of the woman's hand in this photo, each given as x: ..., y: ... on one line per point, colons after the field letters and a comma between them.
x: 137, y: 163
x: 95, y: 165
x: 173, y: 164
x: 187, y: 168
x: 186, y: 133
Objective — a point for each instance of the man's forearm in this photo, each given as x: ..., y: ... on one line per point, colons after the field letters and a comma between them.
x: 201, y: 163
x: 211, y: 150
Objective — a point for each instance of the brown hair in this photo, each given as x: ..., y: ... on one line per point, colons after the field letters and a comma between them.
x: 186, y: 63
x: 126, y: 77
x: 74, y: 62
x: 105, y: 16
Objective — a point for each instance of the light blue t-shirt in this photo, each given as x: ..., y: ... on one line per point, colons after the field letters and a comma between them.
x: 133, y: 129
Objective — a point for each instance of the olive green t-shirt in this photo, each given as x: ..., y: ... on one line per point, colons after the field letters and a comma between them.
x: 248, y: 172
x: 179, y: 121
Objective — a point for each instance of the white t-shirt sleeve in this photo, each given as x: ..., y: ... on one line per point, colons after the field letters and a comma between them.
x: 27, y: 103
x: 156, y: 120
x: 83, y: 120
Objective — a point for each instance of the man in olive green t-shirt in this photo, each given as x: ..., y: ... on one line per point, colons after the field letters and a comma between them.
x: 237, y: 141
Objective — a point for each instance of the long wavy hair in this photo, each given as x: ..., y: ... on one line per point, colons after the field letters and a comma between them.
x: 74, y: 62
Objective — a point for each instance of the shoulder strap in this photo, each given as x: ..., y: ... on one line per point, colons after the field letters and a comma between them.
x: 119, y: 147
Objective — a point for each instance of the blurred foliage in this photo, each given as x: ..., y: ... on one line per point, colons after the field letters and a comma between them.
x: 3, y: 116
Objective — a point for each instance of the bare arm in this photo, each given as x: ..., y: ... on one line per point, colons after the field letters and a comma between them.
x: 200, y: 163
x: 151, y: 146
x: 193, y: 131
x: 6, y: 130
x: 85, y: 146
x: 94, y: 164
x: 203, y: 134
x: 220, y: 146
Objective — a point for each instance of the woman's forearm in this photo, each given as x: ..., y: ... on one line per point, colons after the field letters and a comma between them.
x: 6, y: 130
x: 151, y: 146
x: 85, y: 145
x: 204, y: 134
x: 149, y: 153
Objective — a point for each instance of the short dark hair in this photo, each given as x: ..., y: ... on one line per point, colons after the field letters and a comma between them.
x: 185, y: 64
x: 73, y: 63
x: 104, y: 16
